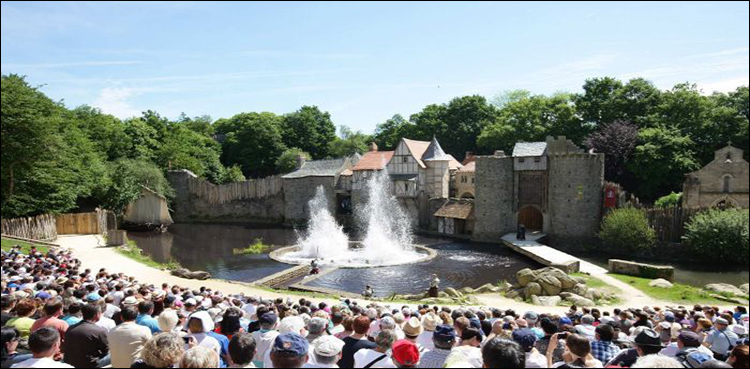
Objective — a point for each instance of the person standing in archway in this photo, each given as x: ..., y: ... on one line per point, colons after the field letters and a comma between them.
x: 521, y: 234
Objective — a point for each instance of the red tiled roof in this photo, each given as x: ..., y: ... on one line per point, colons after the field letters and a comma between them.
x: 469, y: 168
x: 374, y: 160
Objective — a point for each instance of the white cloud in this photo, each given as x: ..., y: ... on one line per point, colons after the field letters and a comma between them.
x: 726, y: 85
x: 68, y: 65
x: 116, y: 101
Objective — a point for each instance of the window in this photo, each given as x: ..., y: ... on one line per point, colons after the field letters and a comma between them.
x: 406, y: 187
x: 472, y: 181
x: 537, y: 159
x: 406, y: 159
x: 521, y: 160
x: 727, y: 184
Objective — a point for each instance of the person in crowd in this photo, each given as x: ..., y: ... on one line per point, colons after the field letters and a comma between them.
x: 72, y: 315
x: 290, y: 350
x: 53, y: 310
x: 647, y: 342
x: 603, y: 349
x: 10, y: 340
x: 265, y: 337
x: 242, y: 350
x: 405, y: 354
x: 412, y: 330
x: 161, y: 351
x: 380, y: 356
x: 577, y: 353
x: 199, y: 357
x: 721, y: 340
x: 127, y: 339
x: 586, y: 328
x: 326, y: 352
x: 502, y: 353
x: 86, y: 344
x: 44, y: 344
x: 739, y: 357
x: 430, y: 321
x: 656, y: 361
x: 686, y: 343
x: 356, y: 342
x: 526, y: 338
x: 7, y: 304
x: 316, y: 328
x: 145, y: 318
x: 444, y: 339
x: 199, y: 324
x: 25, y: 309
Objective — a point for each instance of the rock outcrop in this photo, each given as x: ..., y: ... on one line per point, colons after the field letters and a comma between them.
x: 661, y: 283
x: 187, y: 274
x: 724, y: 288
x: 550, y: 286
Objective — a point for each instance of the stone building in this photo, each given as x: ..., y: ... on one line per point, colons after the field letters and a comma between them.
x: 300, y: 187
x: 420, y: 171
x: 465, y: 179
x: 723, y: 182
x: 553, y: 187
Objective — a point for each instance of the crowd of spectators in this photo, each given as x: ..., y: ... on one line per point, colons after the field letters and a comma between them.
x: 55, y: 314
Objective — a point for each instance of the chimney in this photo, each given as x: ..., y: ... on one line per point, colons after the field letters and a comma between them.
x: 470, y: 157
x: 301, y: 161
x: 373, y: 147
x: 500, y: 153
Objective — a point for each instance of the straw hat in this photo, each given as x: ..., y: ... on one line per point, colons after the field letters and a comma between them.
x: 413, y: 327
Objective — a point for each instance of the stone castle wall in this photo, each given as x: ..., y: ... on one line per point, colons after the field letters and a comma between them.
x: 575, y: 196
x: 493, y: 207
x: 298, y: 193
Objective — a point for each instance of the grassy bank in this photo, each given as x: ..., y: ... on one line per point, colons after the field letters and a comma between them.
x: 600, y: 285
x: 680, y: 293
x: 132, y: 251
x: 8, y: 243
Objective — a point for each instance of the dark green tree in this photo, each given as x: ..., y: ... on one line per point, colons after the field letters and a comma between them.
x: 389, y: 134
x: 309, y: 129
x: 253, y: 141
x: 349, y: 143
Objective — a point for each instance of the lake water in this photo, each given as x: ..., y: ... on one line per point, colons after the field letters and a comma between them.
x: 210, y: 247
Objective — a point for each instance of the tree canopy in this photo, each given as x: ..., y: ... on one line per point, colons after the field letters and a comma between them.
x: 56, y: 158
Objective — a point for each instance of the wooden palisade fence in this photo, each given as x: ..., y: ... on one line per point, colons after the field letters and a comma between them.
x: 250, y: 189
x: 47, y: 227
x: 669, y: 223
x: 41, y: 227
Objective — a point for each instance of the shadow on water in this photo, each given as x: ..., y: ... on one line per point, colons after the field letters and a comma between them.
x: 210, y: 247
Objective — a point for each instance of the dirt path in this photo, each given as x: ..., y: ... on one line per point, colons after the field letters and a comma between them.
x: 94, y: 255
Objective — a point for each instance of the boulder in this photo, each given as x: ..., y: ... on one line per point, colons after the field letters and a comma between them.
x: 570, y: 266
x: 451, y: 292
x: 661, y: 283
x: 566, y: 295
x: 525, y: 276
x: 593, y: 294
x: 723, y: 288
x: 531, y: 289
x: 744, y: 288
x: 187, y: 274
x: 641, y: 270
x: 578, y: 280
x: 487, y: 288
x: 566, y: 281
x: 580, y: 289
x: 733, y: 300
x: 467, y: 291
x: 443, y: 295
x: 512, y: 294
x: 549, y: 300
x: 550, y: 284
x: 505, y: 286
x: 580, y: 301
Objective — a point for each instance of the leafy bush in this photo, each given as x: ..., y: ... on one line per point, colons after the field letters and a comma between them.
x: 627, y: 229
x: 288, y: 161
x: 719, y: 235
x: 671, y: 200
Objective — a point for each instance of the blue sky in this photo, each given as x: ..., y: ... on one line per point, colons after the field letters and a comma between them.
x: 362, y: 62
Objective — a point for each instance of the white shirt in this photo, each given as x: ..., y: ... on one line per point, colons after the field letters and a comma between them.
x: 111, y: 311
x: 366, y: 356
x: 672, y: 350
x: 41, y: 363
x: 106, y: 323
x: 125, y: 343
x: 264, y: 341
x: 204, y: 340
x: 535, y: 360
x: 118, y: 296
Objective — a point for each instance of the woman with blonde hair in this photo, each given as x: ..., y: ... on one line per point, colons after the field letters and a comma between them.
x: 162, y: 351
x: 199, y: 357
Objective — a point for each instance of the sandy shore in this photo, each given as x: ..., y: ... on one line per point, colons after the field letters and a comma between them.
x: 94, y: 255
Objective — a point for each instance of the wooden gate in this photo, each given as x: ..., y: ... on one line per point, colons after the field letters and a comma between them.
x: 531, y: 218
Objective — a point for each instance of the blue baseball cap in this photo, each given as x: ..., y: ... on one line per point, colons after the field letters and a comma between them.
x: 444, y: 333
x: 268, y: 319
x: 44, y: 295
x: 565, y: 321
x: 93, y: 296
x: 291, y: 344
x: 525, y: 337
x: 669, y: 317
